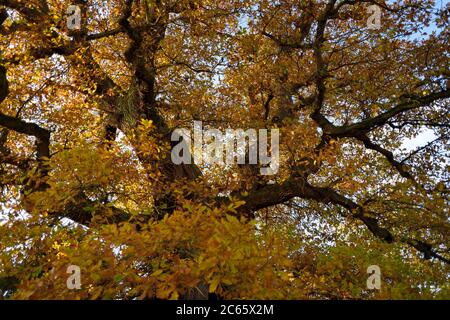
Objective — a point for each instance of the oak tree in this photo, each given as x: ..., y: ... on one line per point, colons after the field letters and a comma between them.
x: 86, y: 117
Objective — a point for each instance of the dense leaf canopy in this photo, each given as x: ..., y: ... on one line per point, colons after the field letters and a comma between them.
x: 86, y: 176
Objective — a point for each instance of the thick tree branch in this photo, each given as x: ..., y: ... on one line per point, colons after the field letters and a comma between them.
x: 299, y: 187
x: 371, y: 123
x: 42, y: 135
x: 388, y: 155
x: 32, y: 13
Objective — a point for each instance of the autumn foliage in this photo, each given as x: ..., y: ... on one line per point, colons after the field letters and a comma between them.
x: 86, y: 176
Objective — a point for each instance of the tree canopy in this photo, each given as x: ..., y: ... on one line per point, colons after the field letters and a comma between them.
x: 86, y: 176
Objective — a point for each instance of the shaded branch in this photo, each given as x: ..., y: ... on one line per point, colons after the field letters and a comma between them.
x: 298, y: 187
